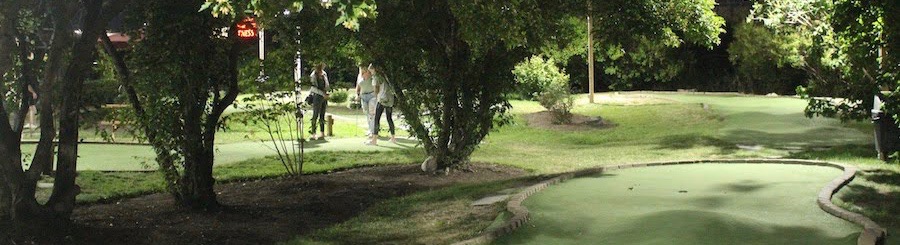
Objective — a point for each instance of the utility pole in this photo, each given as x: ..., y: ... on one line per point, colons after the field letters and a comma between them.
x: 590, y: 54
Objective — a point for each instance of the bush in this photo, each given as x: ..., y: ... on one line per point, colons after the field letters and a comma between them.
x: 354, y: 104
x: 559, y: 102
x: 542, y: 79
x: 338, y: 97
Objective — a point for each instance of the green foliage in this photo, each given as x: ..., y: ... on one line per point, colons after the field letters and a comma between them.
x: 339, y: 96
x: 536, y: 74
x: 183, y: 83
x: 452, y: 75
x: 839, y: 43
x: 354, y: 104
x: 278, y: 114
x: 351, y: 11
x: 541, y: 79
x: 629, y: 53
x: 766, y: 61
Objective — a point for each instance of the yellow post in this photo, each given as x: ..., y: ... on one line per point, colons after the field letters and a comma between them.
x: 329, y: 129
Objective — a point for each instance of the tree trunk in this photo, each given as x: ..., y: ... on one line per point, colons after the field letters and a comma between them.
x: 42, y: 163
x: 22, y: 207
x: 62, y: 200
x: 197, y: 183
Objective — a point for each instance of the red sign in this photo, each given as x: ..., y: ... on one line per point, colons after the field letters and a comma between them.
x: 247, y: 29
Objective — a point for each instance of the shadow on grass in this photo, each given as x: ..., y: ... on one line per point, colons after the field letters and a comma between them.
x: 689, y: 141
x: 838, y: 151
x: 818, y: 137
x: 745, y: 186
x: 671, y: 227
x: 879, y: 205
x: 882, y: 176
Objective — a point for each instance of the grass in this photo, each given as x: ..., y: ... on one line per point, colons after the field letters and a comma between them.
x: 104, y: 157
x: 687, y: 204
x: 656, y: 127
x: 434, y: 217
x: 668, y: 127
x: 241, y: 132
x: 643, y: 133
x: 106, y: 186
x: 650, y: 127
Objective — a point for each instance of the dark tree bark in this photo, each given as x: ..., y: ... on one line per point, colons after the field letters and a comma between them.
x: 194, y: 184
x: 65, y: 190
x: 19, y: 186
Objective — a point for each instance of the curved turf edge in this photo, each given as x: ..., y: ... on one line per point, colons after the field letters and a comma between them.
x: 872, y: 234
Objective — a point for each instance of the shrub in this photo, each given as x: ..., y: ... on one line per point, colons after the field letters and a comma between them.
x: 559, y: 102
x: 354, y: 104
x: 540, y: 78
x: 338, y: 97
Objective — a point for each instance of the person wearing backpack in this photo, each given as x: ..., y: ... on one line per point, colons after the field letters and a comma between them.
x: 385, y: 99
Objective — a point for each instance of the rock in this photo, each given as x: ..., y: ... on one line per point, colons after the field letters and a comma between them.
x: 430, y: 165
x: 772, y: 95
x: 749, y: 147
x: 491, y: 200
x: 871, y: 236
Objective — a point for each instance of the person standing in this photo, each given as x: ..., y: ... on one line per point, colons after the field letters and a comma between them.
x: 365, y: 91
x: 319, y: 92
x: 385, y: 100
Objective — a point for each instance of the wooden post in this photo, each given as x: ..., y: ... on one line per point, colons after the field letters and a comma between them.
x: 590, y: 55
x: 330, y: 125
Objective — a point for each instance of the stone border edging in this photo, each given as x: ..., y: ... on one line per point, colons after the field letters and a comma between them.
x: 872, y: 233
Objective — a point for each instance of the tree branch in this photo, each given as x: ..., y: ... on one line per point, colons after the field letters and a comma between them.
x: 25, y: 80
x: 219, y: 105
x: 5, y: 129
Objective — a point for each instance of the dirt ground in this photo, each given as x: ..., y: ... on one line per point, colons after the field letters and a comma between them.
x: 263, y: 212
x: 544, y: 120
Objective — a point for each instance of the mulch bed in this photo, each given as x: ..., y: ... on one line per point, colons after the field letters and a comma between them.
x: 264, y: 212
x: 544, y: 120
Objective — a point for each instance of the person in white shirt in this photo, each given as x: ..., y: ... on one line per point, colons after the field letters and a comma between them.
x: 365, y: 91
x: 319, y: 93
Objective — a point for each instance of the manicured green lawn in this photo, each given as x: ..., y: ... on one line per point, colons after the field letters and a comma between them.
x: 655, y: 127
x: 98, y: 186
x: 650, y: 127
x: 104, y: 157
x: 687, y: 204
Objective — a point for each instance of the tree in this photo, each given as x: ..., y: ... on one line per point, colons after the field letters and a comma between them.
x: 449, y: 61
x: 839, y: 51
x: 22, y: 27
x: 180, y: 78
x: 456, y: 57
x: 766, y: 61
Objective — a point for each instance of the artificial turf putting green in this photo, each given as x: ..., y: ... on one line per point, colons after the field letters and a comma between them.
x: 687, y: 204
